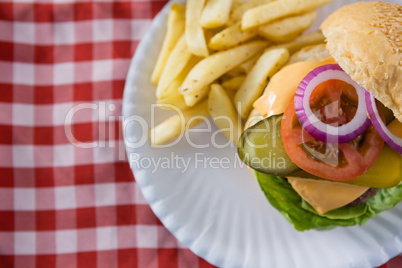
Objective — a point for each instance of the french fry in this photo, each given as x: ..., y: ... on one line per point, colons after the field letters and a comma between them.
x: 231, y: 36
x: 225, y: 84
x: 238, y: 11
x: 236, y: 71
x: 223, y: 113
x: 175, y: 125
x: 209, y: 33
x: 256, y: 80
x: 287, y: 29
x: 172, y: 97
x: 212, y: 67
x: 234, y: 83
x: 215, y: 13
x: 236, y: 4
x: 225, y: 77
x: 231, y: 94
x: 194, y: 33
x: 171, y: 102
x: 310, y: 53
x: 192, y: 99
x: 278, y: 9
x: 175, y: 28
x: 301, y: 41
x: 247, y: 65
x: 175, y: 63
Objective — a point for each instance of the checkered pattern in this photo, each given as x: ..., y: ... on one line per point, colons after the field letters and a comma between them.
x: 67, y: 195
x: 62, y: 71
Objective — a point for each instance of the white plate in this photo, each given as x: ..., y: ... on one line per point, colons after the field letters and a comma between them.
x: 220, y: 213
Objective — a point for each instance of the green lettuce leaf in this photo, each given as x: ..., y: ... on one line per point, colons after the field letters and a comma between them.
x: 383, y: 200
x: 288, y: 202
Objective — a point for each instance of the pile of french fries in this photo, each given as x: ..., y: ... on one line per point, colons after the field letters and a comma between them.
x: 217, y: 58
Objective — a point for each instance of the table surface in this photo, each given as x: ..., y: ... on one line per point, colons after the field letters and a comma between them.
x: 62, y: 70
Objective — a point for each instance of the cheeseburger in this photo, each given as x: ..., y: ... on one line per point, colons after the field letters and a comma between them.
x: 327, y: 148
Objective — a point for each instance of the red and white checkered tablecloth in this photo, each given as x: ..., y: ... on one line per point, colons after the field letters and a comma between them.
x: 63, y: 65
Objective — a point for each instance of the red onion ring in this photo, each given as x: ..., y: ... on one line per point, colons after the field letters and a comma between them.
x: 393, y: 141
x: 314, y: 126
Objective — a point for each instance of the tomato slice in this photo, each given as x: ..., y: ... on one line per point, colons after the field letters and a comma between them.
x: 334, y: 102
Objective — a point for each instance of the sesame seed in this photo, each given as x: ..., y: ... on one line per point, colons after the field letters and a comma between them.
x: 388, y: 19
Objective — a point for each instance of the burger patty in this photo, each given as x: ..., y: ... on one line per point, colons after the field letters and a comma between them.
x: 364, y: 197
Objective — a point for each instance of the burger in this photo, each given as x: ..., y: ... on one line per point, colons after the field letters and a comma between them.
x: 326, y: 148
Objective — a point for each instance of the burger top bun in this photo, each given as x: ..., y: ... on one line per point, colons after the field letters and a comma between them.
x: 366, y: 40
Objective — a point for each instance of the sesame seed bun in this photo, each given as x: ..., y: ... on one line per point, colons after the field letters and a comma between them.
x: 366, y: 40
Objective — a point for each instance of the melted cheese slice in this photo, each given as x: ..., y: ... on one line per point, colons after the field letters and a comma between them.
x: 396, y: 128
x: 283, y: 85
x: 324, y: 196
